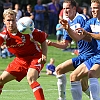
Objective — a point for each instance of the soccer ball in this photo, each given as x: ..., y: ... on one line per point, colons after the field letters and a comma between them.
x: 25, y: 25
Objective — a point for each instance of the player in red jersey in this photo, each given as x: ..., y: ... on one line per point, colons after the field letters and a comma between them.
x: 30, y: 57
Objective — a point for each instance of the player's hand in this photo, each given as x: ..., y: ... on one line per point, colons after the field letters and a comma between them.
x: 81, y: 31
x: 65, y: 24
x: 42, y: 60
x: 49, y: 43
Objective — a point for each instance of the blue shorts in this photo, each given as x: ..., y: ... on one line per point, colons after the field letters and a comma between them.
x: 93, y: 60
x: 79, y: 60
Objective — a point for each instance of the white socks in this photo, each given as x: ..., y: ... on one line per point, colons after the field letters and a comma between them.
x: 94, y: 89
x: 76, y: 90
x: 61, y: 86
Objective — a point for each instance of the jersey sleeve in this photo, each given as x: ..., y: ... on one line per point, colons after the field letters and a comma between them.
x: 82, y: 20
x: 39, y: 36
x: 1, y: 40
x: 88, y: 24
x: 66, y: 36
x: 2, y: 36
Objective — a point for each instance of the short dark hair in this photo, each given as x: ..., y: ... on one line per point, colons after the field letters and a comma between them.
x: 73, y: 2
x: 97, y: 1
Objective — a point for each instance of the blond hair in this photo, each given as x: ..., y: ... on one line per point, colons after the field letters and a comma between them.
x: 52, y: 60
x: 9, y: 12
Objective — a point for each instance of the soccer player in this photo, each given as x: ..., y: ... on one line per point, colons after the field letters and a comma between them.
x: 90, y: 67
x: 30, y: 58
x: 86, y: 50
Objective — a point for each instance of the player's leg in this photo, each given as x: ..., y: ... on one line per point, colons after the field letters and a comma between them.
x: 76, y: 89
x: 85, y: 86
x: 94, y: 73
x: 32, y: 77
x: 61, y: 69
x: 4, y: 78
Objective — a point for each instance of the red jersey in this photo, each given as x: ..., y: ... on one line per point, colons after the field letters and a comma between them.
x: 20, y: 44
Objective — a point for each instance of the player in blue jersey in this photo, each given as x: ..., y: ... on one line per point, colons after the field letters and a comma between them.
x: 86, y: 49
x: 90, y: 67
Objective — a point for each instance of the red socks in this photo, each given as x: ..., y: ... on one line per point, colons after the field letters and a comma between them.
x: 38, y: 92
x: 1, y: 89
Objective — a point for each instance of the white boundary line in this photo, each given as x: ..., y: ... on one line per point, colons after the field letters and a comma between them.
x: 27, y: 90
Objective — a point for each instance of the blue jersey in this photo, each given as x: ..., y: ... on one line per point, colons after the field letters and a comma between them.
x: 93, y: 26
x: 85, y: 48
x: 66, y: 36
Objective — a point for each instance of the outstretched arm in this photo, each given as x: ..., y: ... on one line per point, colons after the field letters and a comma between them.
x: 95, y: 36
x: 62, y: 45
x: 73, y: 34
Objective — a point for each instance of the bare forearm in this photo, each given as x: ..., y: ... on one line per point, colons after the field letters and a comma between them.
x: 59, y: 45
x: 74, y: 35
x: 44, y: 48
x: 95, y: 36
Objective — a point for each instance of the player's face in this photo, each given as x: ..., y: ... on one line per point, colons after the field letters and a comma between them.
x: 10, y: 22
x: 95, y: 8
x: 69, y: 11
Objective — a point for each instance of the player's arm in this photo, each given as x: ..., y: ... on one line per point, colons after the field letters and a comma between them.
x: 63, y: 44
x: 73, y: 34
x: 87, y: 36
x: 1, y: 40
x: 44, y: 53
x: 92, y: 35
x: 95, y: 36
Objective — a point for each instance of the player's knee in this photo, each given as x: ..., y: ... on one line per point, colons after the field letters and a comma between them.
x: 30, y: 80
x: 91, y: 74
x: 73, y: 77
x: 1, y: 81
x: 59, y: 69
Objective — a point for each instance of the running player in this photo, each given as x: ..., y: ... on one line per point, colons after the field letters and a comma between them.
x: 30, y: 58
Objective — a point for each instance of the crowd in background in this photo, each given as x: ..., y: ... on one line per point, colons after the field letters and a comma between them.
x: 45, y: 16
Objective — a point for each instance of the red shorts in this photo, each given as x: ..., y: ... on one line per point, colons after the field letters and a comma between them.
x: 19, y: 66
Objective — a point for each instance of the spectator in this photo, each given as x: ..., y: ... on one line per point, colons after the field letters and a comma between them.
x: 7, y: 5
x: 53, y: 10
x: 29, y: 12
x: 18, y: 12
x: 59, y: 33
x: 85, y: 12
x: 24, y: 3
x: 14, y: 2
x: 62, y: 15
x: 78, y: 8
x: 50, y: 67
x: 39, y: 15
x: 4, y: 52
